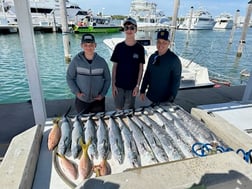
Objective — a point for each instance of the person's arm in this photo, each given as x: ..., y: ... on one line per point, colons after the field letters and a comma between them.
x: 114, y: 88
x: 107, y: 80
x: 71, y: 79
x: 176, y: 77
x: 140, y: 74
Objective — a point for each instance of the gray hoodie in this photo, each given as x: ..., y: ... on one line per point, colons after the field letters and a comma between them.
x: 91, y: 79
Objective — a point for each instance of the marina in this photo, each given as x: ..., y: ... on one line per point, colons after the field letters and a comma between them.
x: 205, y: 141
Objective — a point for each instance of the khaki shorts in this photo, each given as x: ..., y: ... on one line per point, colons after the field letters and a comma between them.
x: 124, y: 99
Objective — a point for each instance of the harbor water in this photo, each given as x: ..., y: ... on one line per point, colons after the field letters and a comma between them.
x: 208, y: 48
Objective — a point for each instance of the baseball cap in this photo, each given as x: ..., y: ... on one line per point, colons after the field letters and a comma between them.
x: 130, y: 21
x: 163, y: 34
x: 87, y: 38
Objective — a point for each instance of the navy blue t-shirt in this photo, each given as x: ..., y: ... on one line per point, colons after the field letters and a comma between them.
x: 128, y: 59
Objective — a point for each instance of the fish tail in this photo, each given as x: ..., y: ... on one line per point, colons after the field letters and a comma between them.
x: 56, y: 120
x: 60, y: 155
x: 85, y: 146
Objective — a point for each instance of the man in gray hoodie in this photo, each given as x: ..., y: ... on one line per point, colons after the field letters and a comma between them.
x: 88, y: 77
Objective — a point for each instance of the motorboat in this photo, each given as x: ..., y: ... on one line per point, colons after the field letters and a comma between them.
x: 198, y: 20
x: 87, y: 23
x: 224, y: 21
x: 147, y: 16
x: 193, y: 74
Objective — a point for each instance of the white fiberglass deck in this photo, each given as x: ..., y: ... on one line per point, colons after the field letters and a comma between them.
x: 236, y: 113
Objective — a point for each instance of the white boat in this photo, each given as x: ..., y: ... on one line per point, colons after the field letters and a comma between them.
x: 85, y: 22
x: 44, y: 13
x: 5, y: 27
x: 147, y: 16
x: 8, y: 21
x: 224, y: 21
x: 198, y: 20
x: 193, y: 75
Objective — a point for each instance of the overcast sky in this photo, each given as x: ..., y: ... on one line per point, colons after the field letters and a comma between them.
x: 121, y: 7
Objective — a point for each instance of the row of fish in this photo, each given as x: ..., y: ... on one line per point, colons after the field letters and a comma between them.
x: 137, y: 138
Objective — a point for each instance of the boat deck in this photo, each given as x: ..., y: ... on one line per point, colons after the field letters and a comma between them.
x: 18, y: 117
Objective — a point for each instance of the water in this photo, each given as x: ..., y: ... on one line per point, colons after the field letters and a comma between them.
x: 208, y: 48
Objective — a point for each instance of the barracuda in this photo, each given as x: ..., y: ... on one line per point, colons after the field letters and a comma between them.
x: 152, y: 139
x: 129, y: 143
x: 77, y: 135
x: 171, y: 150
x: 115, y: 140
x: 147, y: 155
x: 102, y: 139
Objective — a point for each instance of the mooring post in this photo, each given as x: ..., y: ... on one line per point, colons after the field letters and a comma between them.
x: 244, y: 30
x: 237, y: 14
x: 189, y: 26
x: 174, y: 21
x: 65, y: 30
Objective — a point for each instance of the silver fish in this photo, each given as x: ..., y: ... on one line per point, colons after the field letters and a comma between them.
x: 146, y: 154
x: 152, y: 139
x: 65, y: 139
x: 77, y: 135
x: 164, y: 113
x: 129, y: 143
x: 196, y: 127
x: 179, y: 126
x: 90, y: 136
x: 102, y: 139
x: 174, y: 134
x: 171, y: 150
x: 115, y: 140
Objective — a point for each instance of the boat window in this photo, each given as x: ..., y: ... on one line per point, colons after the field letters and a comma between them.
x: 144, y: 42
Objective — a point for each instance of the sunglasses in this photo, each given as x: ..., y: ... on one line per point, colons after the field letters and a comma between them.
x: 156, y: 60
x: 129, y: 28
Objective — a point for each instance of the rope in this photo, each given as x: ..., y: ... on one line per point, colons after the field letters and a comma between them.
x: 204, y: 149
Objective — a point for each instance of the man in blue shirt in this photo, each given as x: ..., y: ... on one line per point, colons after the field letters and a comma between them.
x: 163, y: 73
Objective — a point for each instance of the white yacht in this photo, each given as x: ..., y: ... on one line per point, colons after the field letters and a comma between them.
x: 147, y: 16
x: 198, y: 20
x: 45, y: 13
x: 8, y: 20
x: 224, y: 21
x: 193, y: 75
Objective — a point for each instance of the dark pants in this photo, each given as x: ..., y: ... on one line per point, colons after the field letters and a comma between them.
x: 93, y: 107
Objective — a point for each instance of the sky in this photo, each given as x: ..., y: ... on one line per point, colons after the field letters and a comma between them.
x: 121, y: 7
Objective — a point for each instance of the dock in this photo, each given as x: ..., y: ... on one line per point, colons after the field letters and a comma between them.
x: 8, y: 29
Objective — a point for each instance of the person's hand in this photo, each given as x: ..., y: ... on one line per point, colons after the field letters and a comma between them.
x: 79, y: 95
x: 142, y: 96
x: 135, y: 91
x: 114, y: 90
x: 99, y: 97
